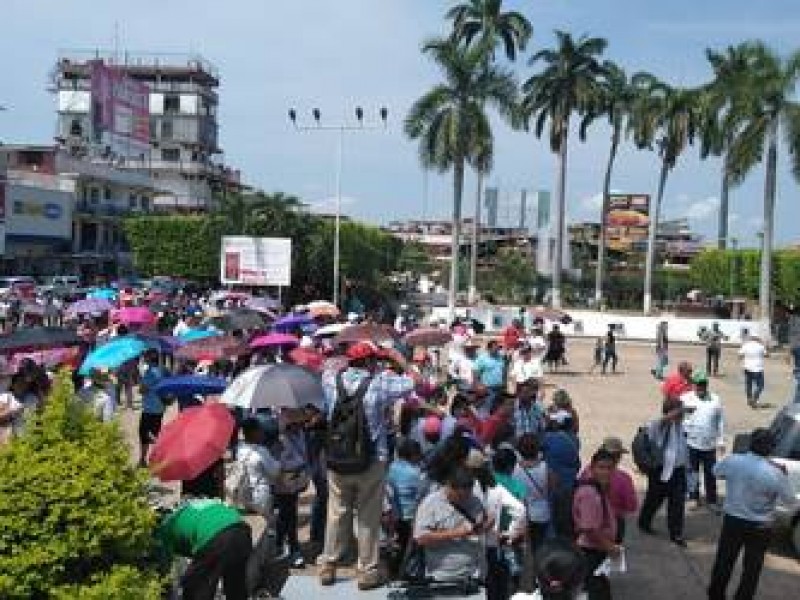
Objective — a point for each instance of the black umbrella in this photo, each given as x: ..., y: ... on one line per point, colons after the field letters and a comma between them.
x: 239, y: 319
x: 38, y: 337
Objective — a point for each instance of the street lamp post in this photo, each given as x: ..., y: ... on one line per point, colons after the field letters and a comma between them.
x: 341, y: 128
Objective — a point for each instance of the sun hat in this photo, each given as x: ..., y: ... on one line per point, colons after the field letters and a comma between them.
x: 613, y: 445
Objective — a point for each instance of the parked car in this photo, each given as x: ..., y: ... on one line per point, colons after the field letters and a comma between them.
x: 786, y: 428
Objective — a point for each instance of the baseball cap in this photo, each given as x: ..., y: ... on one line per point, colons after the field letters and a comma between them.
x: 432, y: 425
x: 361, y: 350
x: 613, y: 445
x: 699, y: 376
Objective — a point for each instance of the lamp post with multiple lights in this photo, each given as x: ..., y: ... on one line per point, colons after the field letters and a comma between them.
x: 341, y: 128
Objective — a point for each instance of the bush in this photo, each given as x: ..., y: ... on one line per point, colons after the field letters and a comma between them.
x: 74, y: 518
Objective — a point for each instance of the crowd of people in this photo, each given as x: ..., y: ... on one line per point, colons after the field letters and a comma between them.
x: 433, y: 467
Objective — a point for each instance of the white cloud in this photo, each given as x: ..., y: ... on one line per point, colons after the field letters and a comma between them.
x: 699, y: 210
x: 327, y: 206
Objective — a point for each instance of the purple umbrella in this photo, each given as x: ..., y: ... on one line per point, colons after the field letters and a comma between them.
x: 292, y: 321
x: 89, y: 306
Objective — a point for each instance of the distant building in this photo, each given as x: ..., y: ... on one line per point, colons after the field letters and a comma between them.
x: 180, y: 110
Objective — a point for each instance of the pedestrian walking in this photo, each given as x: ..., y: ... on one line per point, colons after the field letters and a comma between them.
x: 610, y: 350
x: 753, y: 352
x: 662, y: 350
x: 713, y: 339
x: 754, y: 485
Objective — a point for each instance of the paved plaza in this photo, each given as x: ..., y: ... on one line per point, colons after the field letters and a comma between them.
x: 616, y: 405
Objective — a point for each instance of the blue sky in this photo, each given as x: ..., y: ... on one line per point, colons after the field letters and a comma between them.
x: 336, y: 54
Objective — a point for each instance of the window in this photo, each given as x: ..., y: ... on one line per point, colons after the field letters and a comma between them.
x: 145, y: 203
x: 172, y: 103
x: 171, y: 154
x: 166, y: 129
x: 94, y: 195
x: 132, y: 202
x: 107, y: 193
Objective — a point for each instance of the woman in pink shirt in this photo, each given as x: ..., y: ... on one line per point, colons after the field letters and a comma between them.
x: 595, y: 523
x: 621, y: 491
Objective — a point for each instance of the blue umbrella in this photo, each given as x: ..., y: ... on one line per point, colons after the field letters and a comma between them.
x: 197, y: 334
x: 113, y: 354
x: 190, y: 385
x: 292, y: 321
x: 103, y: 293
x: 166, y: 344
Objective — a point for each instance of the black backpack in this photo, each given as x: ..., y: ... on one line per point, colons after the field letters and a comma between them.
x: 647, y: 454
x: 349, y: 447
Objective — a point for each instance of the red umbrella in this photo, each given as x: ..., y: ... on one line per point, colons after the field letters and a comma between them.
x: 274, y: 340
x: 306, y: 357
x: 135, y: 315
x: 428, y: 336
x: 191, y: 443
x: 212, y: 349
x: 366, y: 333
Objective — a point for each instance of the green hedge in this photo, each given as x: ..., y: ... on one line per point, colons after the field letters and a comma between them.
x: 74, y: 519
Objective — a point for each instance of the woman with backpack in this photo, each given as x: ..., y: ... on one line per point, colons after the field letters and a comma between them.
x: 596, y: 524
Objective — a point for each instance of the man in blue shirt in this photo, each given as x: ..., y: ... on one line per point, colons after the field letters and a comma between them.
x: 490, y: 367
x: 152, y: 405
x: 754, y: 486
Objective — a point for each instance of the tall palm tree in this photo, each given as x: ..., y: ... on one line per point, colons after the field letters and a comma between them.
x: 484, y: 24
x: 727, y: 106
x: 669, y: 117
x: 567, y: 84
x: 447, y: 119
x: 772, y: 112
x: 614, y: 102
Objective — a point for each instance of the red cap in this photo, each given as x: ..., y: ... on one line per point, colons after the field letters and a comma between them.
x: 361, y: 350
x: 432, y: 425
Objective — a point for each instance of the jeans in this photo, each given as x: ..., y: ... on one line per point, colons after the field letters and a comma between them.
x: 674, y: 491
x: 610, y: 357
x: 705, y: 459
x: 286, y: 521
x: 224, y: 557
x: 662, y: 361
x: 712, y: 360
x: 753, y: 385
x: 498, y: 578
x: 597, y: 587
x: 737, y: 533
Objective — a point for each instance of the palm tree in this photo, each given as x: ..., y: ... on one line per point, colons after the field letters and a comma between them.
x: 448, y: 118
x: 771, y: 112
x: 567, y: 84
x: 613, y: 102
x: 726, y: 107
x: 669, y: 117
x: 484, y: 24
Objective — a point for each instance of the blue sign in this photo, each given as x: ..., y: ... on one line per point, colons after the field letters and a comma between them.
x: 53, y: 211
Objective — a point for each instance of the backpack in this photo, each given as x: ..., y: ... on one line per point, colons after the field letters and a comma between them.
x: 349, y: 445
x: 237, y: 485
x: 647, y: 454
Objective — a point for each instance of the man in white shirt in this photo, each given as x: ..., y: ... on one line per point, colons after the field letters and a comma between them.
x: 260, y: 468
x: 752, y: 354
x: 527, y: 367
x: 704, y: 425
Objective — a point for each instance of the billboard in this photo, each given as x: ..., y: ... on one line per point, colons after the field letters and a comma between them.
x: 627, y: 221
x: 120, y: 111
x: 38, y: 212
x: 256, y: 261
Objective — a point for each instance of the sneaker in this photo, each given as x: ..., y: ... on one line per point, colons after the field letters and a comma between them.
x: 371, y: 581
x: 327, y: 575
x: 678, y: 540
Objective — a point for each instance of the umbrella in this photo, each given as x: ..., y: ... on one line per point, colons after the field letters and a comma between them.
x: 551, y: 314
x: 163, y: 343
x: 89, y: 306
x: 191, y: 442
x: 240, y: 318
x: 274, y: 340
x: 193, y: 335
x: 265, y: 305
x: 50, y: 357
x: 103, y: 294
x: 228, y: 295
x: 306, y: 357
x: 330, y: 330
x: 136, y: 315
x: 292, y: 321
x: 427, y: 336
x: 335, y: 363
x: 323, y: 308
x: 31, y: 338
x: 190, y: 385
x: 366, y: 333
x: 276, y: 386
x: 211, y: 349
x: 113, y: 354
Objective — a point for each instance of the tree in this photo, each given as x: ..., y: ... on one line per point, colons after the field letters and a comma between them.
x: 483, y: 23
x: 447, y: 119
x: 772, y: 111
x: 726, y: 111
x: 567, y: 84
x: 668, y: 117
x: 614, y: 101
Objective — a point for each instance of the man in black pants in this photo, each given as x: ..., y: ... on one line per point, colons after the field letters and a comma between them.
x: 754, y: 485
x: 669, y: 480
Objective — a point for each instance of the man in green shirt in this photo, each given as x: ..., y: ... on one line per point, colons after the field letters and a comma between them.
x: 217, y: 540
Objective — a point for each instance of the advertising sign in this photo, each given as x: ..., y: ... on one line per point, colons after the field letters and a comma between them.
x: 256, y: 261
x: 38, y: 212
x: 2, y: 217
x: 120, y: 111
x: 627, y: 221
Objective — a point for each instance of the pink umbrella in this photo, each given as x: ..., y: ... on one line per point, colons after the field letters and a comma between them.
x: 274, y: 340
x: 135, y: 315
x: 191, y: 443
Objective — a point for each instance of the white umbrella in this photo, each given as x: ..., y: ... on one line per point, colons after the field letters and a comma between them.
x: 330, y: 330
x: 275, y: 386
